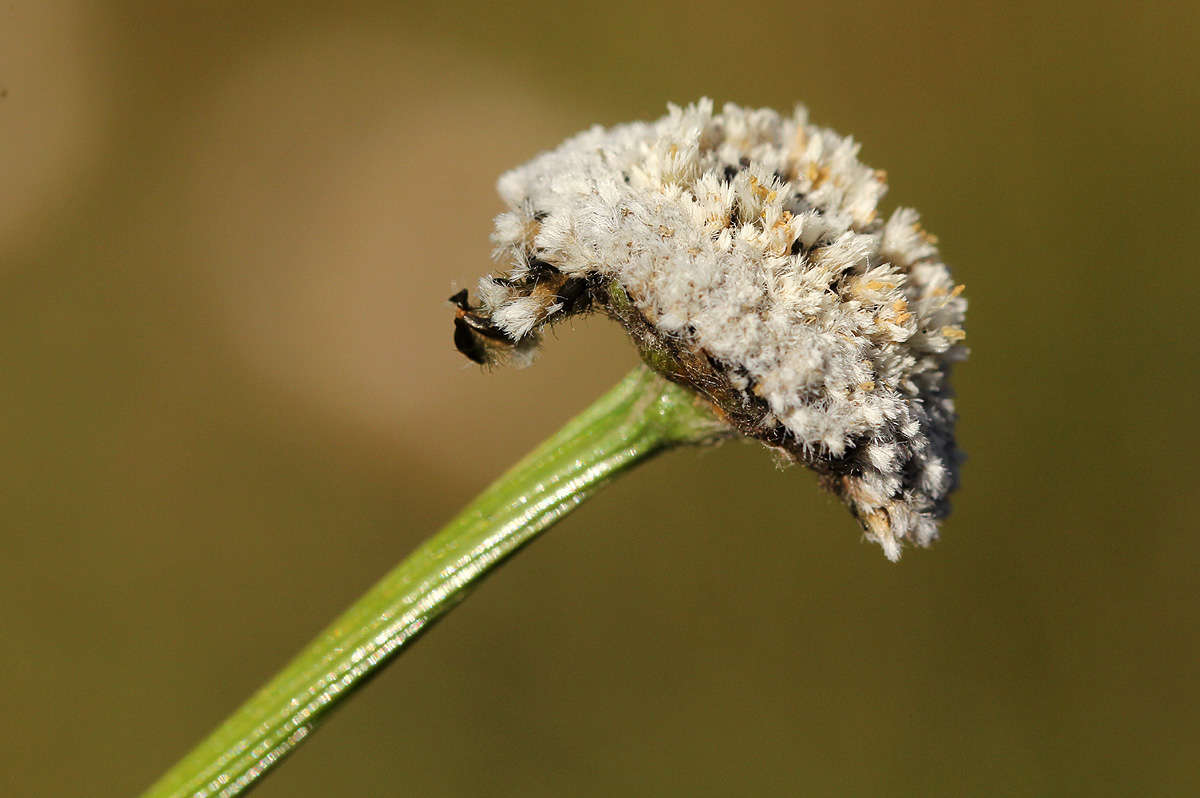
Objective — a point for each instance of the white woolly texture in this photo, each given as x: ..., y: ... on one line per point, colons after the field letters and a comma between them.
x: 754, y: 238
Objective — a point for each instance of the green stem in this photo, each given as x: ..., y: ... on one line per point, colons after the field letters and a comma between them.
x: 638, y: 418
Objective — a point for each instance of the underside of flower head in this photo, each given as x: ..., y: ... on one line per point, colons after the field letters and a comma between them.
x: 743, y: 253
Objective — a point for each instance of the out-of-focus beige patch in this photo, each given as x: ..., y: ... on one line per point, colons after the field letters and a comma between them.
x: 333, y: 189
x: 53, y: 101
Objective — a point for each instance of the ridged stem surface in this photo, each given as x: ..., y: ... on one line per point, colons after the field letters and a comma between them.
x: 639, y: 417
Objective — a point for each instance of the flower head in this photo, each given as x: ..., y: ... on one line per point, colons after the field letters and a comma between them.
x: 744, y: 254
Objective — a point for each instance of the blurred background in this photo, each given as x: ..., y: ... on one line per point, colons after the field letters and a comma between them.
x: 229, y: 402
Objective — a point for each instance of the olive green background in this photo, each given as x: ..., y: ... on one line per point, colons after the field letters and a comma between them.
x: 229, y: 402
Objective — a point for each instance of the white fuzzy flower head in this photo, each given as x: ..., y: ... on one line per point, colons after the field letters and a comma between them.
x: 744, y: 254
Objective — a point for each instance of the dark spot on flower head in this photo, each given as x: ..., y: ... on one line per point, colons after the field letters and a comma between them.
x: 848, y: 463
x: 626, y: 176
x: 776, y: 435
x: 573, y: 294
x: 460, y: 300
x: 540, y: 269
x: 796, y: 247
x: 744, y: 162
x: 730, y: 173
x: 540, y: 216
x: 798, y: 203
x: 911, y: 475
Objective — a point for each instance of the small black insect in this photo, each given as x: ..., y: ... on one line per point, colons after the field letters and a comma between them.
x: 466, y: 342
x: 473, y: 333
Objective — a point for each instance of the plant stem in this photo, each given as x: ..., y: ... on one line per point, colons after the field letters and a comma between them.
x: 641, y: 416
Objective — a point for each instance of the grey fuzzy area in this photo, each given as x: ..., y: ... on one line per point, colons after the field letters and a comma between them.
x: 754, y: 239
